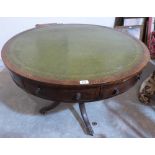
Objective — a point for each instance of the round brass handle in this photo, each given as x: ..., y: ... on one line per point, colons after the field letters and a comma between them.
x: 78, y: 96
x: 116, y: 91
x: 37, y: 91
x: 138, y: 77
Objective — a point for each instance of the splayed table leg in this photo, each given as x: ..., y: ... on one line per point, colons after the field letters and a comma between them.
x: 46, y: 109
x: 85, y: 118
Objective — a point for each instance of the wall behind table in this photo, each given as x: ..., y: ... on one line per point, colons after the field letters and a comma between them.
x: 11, y: 26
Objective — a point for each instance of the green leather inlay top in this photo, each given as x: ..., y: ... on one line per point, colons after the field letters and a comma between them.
x: 74, y: 52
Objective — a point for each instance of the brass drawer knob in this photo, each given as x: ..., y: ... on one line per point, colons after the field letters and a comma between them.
x: 116, y: 91
x: 138, y: 77
x: 78, y: 96
x: 37, y: 92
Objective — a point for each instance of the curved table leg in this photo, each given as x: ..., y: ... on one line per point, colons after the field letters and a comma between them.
x: 44, y: 110
x: 85, y: 118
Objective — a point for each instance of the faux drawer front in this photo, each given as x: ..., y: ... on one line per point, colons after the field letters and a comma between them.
x: 62, y: 94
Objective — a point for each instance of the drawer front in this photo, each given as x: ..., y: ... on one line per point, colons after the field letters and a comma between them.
x: 76, y: 95
x: 62, y: 93
x: 116, y: 89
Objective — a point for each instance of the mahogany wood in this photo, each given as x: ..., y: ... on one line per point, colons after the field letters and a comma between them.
x: 71, y: 90
x: 70, y: 93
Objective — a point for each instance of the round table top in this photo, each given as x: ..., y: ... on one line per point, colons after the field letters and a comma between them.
x: 74, y: 54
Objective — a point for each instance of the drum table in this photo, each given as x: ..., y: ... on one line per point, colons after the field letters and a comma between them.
x: 74, y: 63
